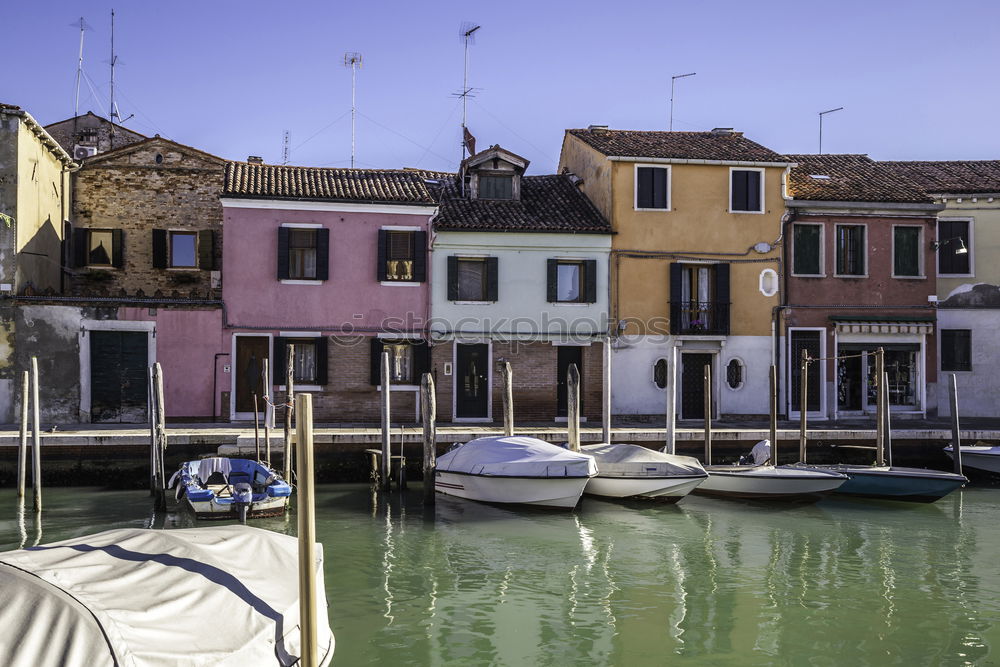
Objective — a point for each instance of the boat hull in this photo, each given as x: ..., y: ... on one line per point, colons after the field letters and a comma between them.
x: 668, y: 489
x: 986, y: 459
x: 213, y: 510
x: 768, y: 483
x: 906, y: 484
x: 561, y: 492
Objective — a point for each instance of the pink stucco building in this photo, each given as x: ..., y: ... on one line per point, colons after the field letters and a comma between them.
x: 333, y: 262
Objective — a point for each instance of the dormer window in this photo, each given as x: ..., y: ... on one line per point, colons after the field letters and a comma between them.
x: 496, y: 187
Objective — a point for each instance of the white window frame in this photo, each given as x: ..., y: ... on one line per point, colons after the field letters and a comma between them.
x: 763, y: 204
x: 969, y: 246
x: 822, y: 250
x: 922, y: 275
x: 864, y: 244
x: 635, y: 186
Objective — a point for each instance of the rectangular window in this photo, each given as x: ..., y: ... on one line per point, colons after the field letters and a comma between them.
x: 399, y: 255
x: 956, y: 350
x: 183, y: 250
x: 496, y: 187
x: 302, y: 254
x: 652, y: 189
x: 906, y: 251
x: 309, y: 360
x: 400, y: 362
x: 569, y: 282
x: 745, y: 191
x: 807, y: 250
x: 572, y: 281
x: 305, y: 361
x: 472, y: 279
x: 952, y: 238
x: 850, y: 250
x: 100, y: 247
x: 408, y: 360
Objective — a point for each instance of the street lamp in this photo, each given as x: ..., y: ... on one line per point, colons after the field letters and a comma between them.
x: 672, y: 80
x: 960, y: 250
x: 821, y: 114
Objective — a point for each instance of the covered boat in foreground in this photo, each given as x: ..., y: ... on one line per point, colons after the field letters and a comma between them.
x: 225, y: 488
x: 514, y: 469
x: 625, y: 471
x: 220, y: 596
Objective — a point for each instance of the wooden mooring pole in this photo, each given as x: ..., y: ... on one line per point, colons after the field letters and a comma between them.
x: 307, y: 532
x: 386, y: 481
x: 22, y: 448
x: 708, y: 414
x: 772, y: 411
x: 956, y: 437
x: 161, y: 437
x: 428, y: 413
x: 154, y: 465
x: 670, y: 447
x: 804, y: 406
x: 268, y: 411
x: 506, y: 376
x: 879, y: 407
x: 36, y: 438
x: 887, y: 429
x: 256, y: 428
x: 606, y: 393
x: 573, y: 407
x: 289, y: 408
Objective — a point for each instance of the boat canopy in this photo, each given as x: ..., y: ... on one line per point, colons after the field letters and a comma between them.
x: 227, y: 595
x: 626, y: 460
x: 516, y: 456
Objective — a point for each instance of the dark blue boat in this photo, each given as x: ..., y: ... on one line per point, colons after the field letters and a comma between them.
x: 918, y: 485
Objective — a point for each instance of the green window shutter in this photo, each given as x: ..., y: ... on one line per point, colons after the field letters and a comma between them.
x: 806, y: 249
x: 906, y: 251
x: 159, y: 248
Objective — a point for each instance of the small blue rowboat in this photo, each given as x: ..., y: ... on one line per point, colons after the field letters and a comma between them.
x: 919, y: 485
x: 224, y: 488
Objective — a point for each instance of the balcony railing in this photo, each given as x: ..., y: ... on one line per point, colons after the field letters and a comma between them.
x: 693, y: 318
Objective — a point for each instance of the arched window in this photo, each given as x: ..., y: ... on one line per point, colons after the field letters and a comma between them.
x: 660, y: 373
x: 734, y: 374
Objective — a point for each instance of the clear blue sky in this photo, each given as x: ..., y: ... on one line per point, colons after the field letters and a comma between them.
x: 917, y: 79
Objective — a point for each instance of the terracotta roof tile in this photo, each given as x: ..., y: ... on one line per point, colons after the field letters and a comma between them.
x: 952, y: 176
x: 728, y: 146
x: 268, y: 181
x: 833, y: 177
x: 548, y: 204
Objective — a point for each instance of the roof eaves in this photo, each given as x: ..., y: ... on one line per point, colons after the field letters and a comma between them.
x: 41, y: 133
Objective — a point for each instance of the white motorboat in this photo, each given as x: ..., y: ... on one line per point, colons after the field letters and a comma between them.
x: 762, y: 481
x: 978, y: 457
x: 220, y: 596
x: 514, y: 469
x: 225, y: 488
x: 625, y: 470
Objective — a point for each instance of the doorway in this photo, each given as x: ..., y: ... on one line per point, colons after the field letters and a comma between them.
x: 251, y: 351
x: 693, y: 385
x: 566, y: 356
x: 472, y: 381
x: 119, y: 381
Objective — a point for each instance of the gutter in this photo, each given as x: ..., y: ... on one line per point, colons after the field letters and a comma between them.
x: 724, y: 163
x: 871, y: 206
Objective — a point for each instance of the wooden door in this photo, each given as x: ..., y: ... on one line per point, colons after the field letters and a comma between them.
x: 472, y: 380
x: 693, y: 385
x: 251, y: 351
x: 119, y: 376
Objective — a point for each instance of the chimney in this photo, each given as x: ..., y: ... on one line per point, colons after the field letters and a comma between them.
x: 723, y: 130
x: 255, y: 159
x: 597, y: 129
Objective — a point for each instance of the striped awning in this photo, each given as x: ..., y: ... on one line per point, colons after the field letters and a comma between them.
x: 884, y: 327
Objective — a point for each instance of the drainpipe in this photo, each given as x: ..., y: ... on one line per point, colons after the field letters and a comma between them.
x: 787, y: 219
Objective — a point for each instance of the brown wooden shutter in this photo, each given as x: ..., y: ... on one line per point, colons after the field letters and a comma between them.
x: 381, y: 271
x: 206, y: 250
x: 117, y: 248
x: 590, y: 281
x: 492, y: 279
x: 81, y: 236
x: 322, y: 356
x: 375, y: 361
x: 552, y: 280
x: 675, y: 298
x: 452, y: 278
x: 420, y: 256
x: 722, y: 297
x: 421, y: 360
x: 282, y: 253
x: 159, y: 248
x: 322, y: 254
x: 278, y: 365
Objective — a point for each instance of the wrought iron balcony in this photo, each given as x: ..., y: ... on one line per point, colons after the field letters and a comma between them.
x: 693, y: 318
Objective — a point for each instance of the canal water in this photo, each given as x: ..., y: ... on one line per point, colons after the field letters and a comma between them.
x: 704, y: 582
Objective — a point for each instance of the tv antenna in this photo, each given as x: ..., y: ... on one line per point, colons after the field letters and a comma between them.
x: 284, y: 148
x: 352, y: 59
x: 673, y: 80
x: 821, y: 114
x: 467, y: 33
x: 79, y: 65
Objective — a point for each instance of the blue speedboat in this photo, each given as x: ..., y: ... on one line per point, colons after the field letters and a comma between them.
x: 919, y: 485
x: 224, y: 488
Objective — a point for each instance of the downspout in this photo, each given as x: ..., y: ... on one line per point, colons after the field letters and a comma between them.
x: 785, y: 266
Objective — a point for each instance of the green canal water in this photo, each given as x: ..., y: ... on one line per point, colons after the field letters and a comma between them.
x: 704, y: 582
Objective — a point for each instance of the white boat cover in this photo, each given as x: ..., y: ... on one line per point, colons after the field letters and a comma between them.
x: 199, y: 596
x: 516, y: 456
x: 626, y: 460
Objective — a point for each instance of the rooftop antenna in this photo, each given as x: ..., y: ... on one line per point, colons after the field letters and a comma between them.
x: 284, y: 148
x: 114, y: 110
x: 821, y: 114
x: 352, y: 59
x: 672, y: 80
x: 79, y: 66
x: 467, y: 33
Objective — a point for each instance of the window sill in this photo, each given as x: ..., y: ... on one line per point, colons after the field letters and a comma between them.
x: 852, y: 276
x: 400, y: 283
x: 295, y: 281
x: 473, y: 303
x: 571, y: 303
x: 400, y: 387
x: 563, y: 420
x: 966, y: 371
x: 747, y: 212
x: 101, y: 267
x: 895, y: 277
x: 955, y: 275
x: 303, y: 387
x: 657, y: 210
x: 808, y: 275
